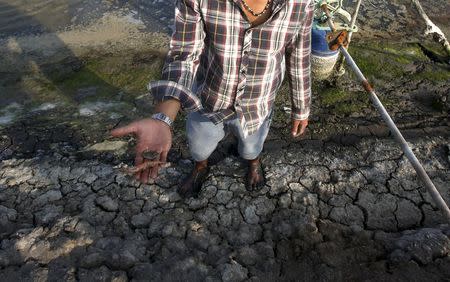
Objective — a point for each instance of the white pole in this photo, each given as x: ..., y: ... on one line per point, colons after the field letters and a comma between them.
x: 398, y: 136
x: 353, y: 22
x: 340, y: 65
x: 394, y: 130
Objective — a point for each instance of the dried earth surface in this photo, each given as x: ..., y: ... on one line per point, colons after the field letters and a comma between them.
x: 330, y: 211
x: 340, y: 204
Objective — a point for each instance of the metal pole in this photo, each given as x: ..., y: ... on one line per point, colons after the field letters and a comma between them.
x: 338, y: 42
x: 354, y: 17
x: 398, y: 136
x: 329, y: 18
x: 340, y: 63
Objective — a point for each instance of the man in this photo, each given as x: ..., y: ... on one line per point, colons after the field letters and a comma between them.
x: 238, y: 51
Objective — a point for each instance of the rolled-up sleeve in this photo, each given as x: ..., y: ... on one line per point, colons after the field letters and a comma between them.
x: 298, y: 66
x: 183, y: 58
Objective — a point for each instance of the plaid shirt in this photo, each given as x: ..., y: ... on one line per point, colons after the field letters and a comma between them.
x: 238, y: 68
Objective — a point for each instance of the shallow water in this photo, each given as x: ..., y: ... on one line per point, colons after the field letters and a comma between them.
x: 37, y: 16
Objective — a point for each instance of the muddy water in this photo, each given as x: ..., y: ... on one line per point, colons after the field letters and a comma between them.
x: 38, y: 16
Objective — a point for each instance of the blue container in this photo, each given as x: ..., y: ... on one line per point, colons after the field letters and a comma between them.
x: 319, y: 44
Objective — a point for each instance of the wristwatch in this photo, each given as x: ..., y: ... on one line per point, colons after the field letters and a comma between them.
x: 162, y: 117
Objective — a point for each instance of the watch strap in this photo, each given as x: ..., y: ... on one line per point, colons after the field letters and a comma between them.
x: 164, y: 118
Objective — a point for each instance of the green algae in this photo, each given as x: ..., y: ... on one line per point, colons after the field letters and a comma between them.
x: 433, y: 74
x: 342, y: 101
x: 389, y: 61
x: 111, y: 75
x: 381, y: 62
x: 127, y: 76
x: 73, y: 83
x: 331, y: 96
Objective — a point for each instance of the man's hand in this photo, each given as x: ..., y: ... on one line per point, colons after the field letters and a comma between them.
x: 152, y: 135
x: 298, y: 127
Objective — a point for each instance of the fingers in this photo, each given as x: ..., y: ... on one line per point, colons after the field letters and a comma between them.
x: 163, y: 156
x: 299, y: 127
x: 125, y: 130
x: 137, y: 162
x: 145, y: 169
x: 295, y: 124
x: 303, y: 126
x: 145, y: 166
x: 154, y: 172
x: 144, y: 175
x: 162, y: 163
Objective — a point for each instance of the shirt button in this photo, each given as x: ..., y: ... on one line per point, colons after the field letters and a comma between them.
x: 243, y: 71
x: 246, y: 52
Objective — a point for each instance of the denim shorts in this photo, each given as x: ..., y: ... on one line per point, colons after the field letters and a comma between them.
x: 203, y: 136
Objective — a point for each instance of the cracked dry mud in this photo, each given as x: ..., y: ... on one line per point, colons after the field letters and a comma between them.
x: 328, y: 212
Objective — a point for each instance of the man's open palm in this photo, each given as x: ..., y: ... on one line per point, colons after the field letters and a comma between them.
x: 152, y: 135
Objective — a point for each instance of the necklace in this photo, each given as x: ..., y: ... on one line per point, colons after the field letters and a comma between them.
x: 247, y: 7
